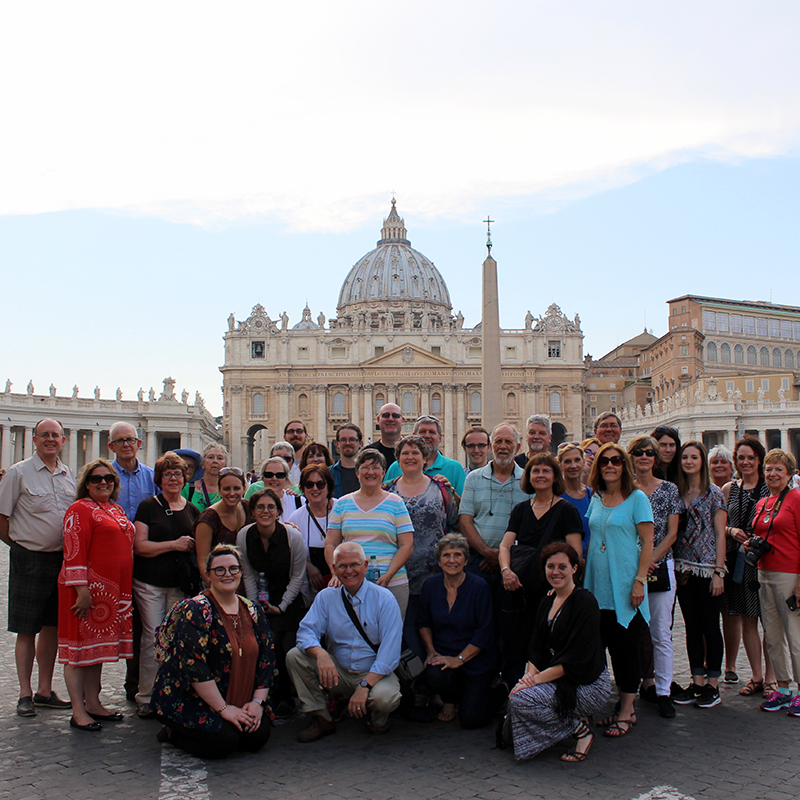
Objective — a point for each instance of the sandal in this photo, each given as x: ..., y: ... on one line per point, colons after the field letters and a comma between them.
x: 769, y: 688
x: 583, y: 731
x: 612, y: 719
x: 448, y: 713
x: 752, y: 687
x: 616, y: 731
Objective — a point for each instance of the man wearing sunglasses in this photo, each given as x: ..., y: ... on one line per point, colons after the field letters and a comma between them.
x: 34, y: 496
x: 390, y: 421
x: 348, y: 443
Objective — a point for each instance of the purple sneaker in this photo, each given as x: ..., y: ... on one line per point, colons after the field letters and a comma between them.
x: 776, y: 701
x: 793, y: 710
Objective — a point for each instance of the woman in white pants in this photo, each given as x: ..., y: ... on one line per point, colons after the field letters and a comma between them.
x: 666, y: 503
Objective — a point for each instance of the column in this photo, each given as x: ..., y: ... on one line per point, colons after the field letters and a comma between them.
x: 6, y: 453
x: 74, y: 448
x: 447, y: 422
x: 28, y: 451
x: 152, y: 445
x: 460, y: 422
x: 322, y: 414
x: 282, y: 390
x: 391, y: 393
x: 19, y: 440
x: 424, y: 399
x: 785, y: 446
x: 187, y: 441
x: 234, y: 396
x: 96, y: 445
x: 369, y: 412
x: 355, y: 404
x: 529, y: 404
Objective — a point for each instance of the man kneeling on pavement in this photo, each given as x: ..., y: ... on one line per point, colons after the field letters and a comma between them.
x: 358, y: 664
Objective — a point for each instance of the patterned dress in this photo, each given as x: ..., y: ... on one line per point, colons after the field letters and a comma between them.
x: 98, y: 553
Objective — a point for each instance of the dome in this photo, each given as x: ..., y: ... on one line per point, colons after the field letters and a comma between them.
x: 394, y: 272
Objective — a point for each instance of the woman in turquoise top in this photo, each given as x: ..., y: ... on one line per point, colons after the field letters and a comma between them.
x: 620, y: 552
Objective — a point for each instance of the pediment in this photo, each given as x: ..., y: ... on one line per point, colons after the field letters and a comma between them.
x: 408, y: 355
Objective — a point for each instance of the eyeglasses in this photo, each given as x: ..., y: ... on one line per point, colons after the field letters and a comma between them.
x: 127, y: 440
x: 608, y: 426
x: 294, y: 430
x: 233, y: 569
x: 231, y: 471
x: 639, y: 452
x: 315, y: 484
x: 348, y: 440
x: 262, y: 509
x: 172, y: 476
x: 390, y: 415
x: 479, y: 446
x: 617, y: 461
x: 268, y: 476
x: 96, y: 480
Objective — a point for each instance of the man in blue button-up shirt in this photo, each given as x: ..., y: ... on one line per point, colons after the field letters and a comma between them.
x: 135, y: 479
x: 350, y: 666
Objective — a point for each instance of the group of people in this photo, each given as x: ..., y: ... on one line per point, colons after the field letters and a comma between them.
x: 507, y: 581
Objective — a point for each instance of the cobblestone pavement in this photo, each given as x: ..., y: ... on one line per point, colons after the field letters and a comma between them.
x: 733, y: 750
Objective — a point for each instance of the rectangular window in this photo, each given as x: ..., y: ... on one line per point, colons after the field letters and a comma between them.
x: 593, y: 398
x: 786, y: 329
x: 511, y: 352
x: 722, y: 323
x: 765, y: 384
x: 379, y: 349
x: 748, y: 387
x: 761, y: 326
x: 338, y: 352
x: 593, y: 411
x: 257, y: 349
x: 302, y: 353
x: 592, y: 385
x: 785, y: 384
x: 709, y: 321
x: 797, y: 330
x: 554, y: 349
x: 736, y: 323
x: 613, y: 398
x: 436, y: 349
x: 684, y: 351
x: 774, y: 328
x: 612, y: 385
x: 749, y: 326
x: 729, y: 386
x: 684, y: 370
x: 475, y: 352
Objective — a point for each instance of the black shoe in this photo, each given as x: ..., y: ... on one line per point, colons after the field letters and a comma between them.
x: 92, y: 727
x: 709, y: 697
x: 665, y: 707
x: 25, y: 707
x: 51, y: 701
x: 687, y: 696
x: 114, y: 716
x: 648, y: 693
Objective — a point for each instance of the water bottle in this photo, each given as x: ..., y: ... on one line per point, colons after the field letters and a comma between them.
x: 262, y: 595
x: 373, y: 570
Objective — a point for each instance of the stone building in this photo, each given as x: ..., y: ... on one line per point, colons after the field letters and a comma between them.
x: 163, y: 422
x: 394, y: 339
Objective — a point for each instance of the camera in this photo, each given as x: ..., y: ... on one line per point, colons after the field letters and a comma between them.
x: 757, y: 547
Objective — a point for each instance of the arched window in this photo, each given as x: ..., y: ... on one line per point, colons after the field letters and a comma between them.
x: 380, y: 400
x: 408, y: 404
x: 738, y: 354
x: 555, y: 403
x: 764, y: 357
x: 475, y: 403
x: 511, y: 404
x: 725, y: 353
x: 436, y: 403
x: 790, y: 359
x: 752, y: 356
x: 258, y: 404
x: 302, y: 404
x: 711, y: 351
x: 338, y: 403
x: 777, y: 360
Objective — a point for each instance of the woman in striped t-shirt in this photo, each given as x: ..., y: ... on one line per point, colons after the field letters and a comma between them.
x: 379, y: 522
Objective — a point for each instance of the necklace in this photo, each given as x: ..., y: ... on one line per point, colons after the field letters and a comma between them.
x: 235, y: 620
x: 604, y: 520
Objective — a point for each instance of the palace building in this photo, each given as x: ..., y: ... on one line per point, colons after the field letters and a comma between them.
x: 394, y: 338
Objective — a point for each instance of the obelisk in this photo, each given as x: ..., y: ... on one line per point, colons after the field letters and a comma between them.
x: 491, y: 379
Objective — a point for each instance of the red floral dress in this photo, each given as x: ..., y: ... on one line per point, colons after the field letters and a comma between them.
x: 98, y: 553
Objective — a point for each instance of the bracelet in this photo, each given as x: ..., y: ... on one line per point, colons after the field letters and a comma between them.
x: 641, y: 580
x: 504, y: 569
x: 222, y: 709
x: 460, y: 658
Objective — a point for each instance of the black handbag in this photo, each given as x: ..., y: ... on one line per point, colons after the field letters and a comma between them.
x: 187, y: 571
x: 659, y: 580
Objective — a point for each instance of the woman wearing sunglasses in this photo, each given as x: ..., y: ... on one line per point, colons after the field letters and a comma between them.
x: 617, y: 565
x: 94, y: 592
x: 700, y: 567
x: 275, y: 475
x: 212, y: 687
x: 222, y: 521
x: 666, y: 504
x: 278, y: 553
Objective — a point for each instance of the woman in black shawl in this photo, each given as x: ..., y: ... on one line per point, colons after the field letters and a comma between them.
x: 566, y: 680
x: 274, y: 570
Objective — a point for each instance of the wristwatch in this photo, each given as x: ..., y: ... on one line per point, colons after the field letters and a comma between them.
x: 364, y: 683
x: 259, y: 701
x: 719, y: 572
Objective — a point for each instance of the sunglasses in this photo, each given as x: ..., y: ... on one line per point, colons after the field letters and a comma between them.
x: 315, y: 484
x: 231, y: 471
x: 267, y: 476
x: 234, y: 569
x: 96, y: 480
x: 604, y: 461
x: 387, y: 415
x: 638, y: 452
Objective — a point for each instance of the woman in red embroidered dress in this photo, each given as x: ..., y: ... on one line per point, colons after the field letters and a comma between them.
x: 94, y: 592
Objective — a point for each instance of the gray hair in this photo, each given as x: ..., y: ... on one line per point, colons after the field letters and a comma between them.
x: 116, y: 426
x: 720, y: 451
x: 511, y: 425
x: 281, y: 446
x: 216, y: 446
x: 452, y: 541
x: 273, y: 459
x: 539, y: 419
x: 428, y: 418
x: 349, y: 547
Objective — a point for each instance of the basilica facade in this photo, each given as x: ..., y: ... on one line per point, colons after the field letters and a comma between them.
x: 394, y: 339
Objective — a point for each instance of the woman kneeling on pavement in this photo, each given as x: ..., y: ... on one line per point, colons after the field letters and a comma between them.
x: 212, y: 687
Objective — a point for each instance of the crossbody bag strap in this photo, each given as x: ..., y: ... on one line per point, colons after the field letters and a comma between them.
x: 348, y: 606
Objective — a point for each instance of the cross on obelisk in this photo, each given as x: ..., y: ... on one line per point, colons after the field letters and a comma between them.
x: 492, y: 376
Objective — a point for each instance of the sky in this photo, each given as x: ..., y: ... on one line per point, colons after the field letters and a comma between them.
x: 164, y: 165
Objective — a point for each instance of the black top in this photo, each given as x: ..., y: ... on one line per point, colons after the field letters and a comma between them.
x: 349, y: 480
x: 163, y: 570
x: 566, y: 519
x: 388, y: 452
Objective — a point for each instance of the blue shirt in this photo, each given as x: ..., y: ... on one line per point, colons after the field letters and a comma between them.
x: 583, y: 507
x: 134, y: 487
x: 489, y: 502
x: 452, y: 470
x: 379, y: 615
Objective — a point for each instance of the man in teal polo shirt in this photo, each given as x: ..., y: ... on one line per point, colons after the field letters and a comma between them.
x: 430, y: 430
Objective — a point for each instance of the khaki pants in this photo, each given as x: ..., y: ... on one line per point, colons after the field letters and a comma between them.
x: 384, y: 697
x: 781, y: 626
